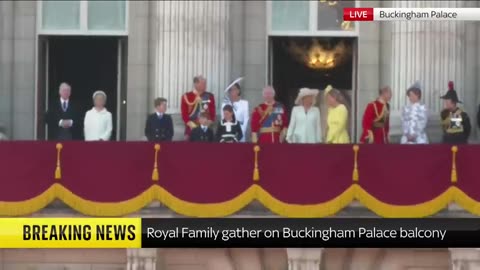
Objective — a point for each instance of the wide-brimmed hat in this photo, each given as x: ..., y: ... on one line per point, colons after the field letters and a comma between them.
x: 305, y: 92
x: 327, y: 90
x: 451, y: 93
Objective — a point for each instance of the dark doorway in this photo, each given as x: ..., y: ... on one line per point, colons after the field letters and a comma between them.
x: 87, y: 64
x: 290, y: 70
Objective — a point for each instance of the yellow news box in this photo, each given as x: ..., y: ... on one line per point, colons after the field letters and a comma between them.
x: 70, y: 233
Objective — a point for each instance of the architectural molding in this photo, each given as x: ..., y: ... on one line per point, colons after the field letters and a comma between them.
x: 465, y: 258
x: 304, y: 258
x: 141, y: 259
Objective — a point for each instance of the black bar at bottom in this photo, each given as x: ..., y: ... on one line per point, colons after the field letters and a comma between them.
x: 330, y: 232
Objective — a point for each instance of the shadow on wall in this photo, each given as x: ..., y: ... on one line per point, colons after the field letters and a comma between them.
x: 3, y: 132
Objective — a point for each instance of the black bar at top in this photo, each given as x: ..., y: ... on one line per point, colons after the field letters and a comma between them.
x: 457, y: 232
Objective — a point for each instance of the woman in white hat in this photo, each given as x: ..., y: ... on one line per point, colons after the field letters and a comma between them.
x: 337, y: 118
x: 240, y: 107
x: 304, y: 124
x: 98, y: 121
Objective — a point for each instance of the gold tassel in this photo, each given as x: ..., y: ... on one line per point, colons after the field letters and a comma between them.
x: 155, y: 165
x: 256, y: 172
x: 355, y: 163
x: 454, y: 164
x: 58, y: 170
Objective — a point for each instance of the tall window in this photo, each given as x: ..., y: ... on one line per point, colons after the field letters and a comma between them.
x: 83, y: 17
x: 290, y: 15
x: 330, y: 15
x: 63, y: 15
x: 106, y: 15
x: 310, y: 18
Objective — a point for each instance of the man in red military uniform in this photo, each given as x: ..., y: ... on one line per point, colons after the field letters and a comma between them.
x: 269, y: 119
x: 376, y: 119
x: 195, y: 102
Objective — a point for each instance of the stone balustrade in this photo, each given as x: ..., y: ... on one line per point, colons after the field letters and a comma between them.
x: 255, y: 209
x: 244, y: 259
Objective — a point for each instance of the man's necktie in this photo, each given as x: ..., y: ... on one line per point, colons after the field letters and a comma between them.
x: 160, y: 116
x: 204, y: 129
x: 64, y: 106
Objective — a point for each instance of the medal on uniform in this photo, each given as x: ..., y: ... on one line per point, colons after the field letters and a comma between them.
x: 279, y: 120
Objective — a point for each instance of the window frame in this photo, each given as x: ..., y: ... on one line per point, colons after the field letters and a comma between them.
x: 83, y: 31
x: 313, y: 24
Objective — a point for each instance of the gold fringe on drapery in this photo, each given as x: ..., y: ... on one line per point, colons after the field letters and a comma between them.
x: 454, y: 164
x: 155, y: 165
x: 58, y: 169
x: 235, y: 204
x: 256, y: 172
x: 355, y: 175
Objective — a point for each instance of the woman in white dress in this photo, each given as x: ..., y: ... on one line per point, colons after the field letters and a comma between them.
x: 305, y: 120
x: 98, y: 121
x: 240, y: 108
x: 414, y: 118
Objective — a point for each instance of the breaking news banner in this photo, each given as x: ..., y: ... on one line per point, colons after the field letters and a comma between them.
x: 411, y: 14
x: 327, y: 232
x: 237, y: 232
x: 70, y: 232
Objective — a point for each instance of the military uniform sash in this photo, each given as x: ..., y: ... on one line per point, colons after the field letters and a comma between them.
x: 381, y: 115
x: 199, y: 105
x: 272, y: 116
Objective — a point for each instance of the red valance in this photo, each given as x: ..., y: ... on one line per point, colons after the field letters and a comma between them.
x: 212, y: 180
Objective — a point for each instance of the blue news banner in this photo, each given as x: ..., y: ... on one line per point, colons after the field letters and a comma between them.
x: 326, y: 232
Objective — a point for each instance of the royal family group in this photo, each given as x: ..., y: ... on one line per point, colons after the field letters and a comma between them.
x: 269, y: 122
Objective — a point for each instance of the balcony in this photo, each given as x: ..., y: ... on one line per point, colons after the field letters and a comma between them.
x: 237, y: 180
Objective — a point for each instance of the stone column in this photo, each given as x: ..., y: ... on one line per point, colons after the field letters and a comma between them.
x: 465, y: 258
x: 192, y: 38
x: 367, y: 66
x: 138, y: 103
x: 304, y: 258
x: 431, y: 52
x: 6, y: 64
x: 255, y: 51
x: 141, y: 259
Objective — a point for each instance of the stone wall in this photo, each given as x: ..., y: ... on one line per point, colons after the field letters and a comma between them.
x: 17, y: 68
x: 368, y: 64
x: 63, y: 259
x: 138, y: 102
x: 238, y: 259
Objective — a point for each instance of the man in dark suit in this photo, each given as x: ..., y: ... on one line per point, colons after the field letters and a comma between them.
x: 62, y: 118
x: 159, y: 126
x: 202, y: 133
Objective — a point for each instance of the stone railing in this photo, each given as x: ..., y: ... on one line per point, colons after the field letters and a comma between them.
x: 354, y: 210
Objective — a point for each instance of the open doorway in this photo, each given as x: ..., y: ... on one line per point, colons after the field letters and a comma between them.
x: 87, y: 64
x: 313, y: 62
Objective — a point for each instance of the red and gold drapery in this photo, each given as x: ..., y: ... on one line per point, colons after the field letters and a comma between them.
x: 215, y: 180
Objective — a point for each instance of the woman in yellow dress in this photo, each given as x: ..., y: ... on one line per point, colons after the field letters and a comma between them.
x: 337, y: 117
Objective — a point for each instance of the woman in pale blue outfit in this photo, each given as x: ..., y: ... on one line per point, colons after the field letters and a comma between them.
x: 414, y: 118
x: 304, y: 126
